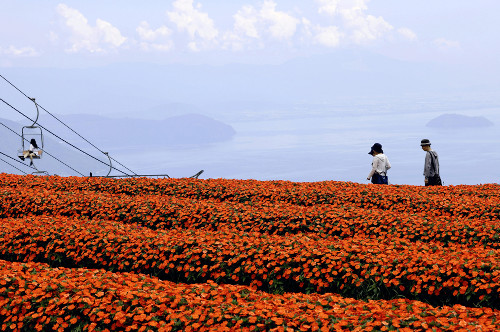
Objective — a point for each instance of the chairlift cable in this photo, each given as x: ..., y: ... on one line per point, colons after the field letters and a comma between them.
x: 65, y: 125
x: 14, y: 166
x: 77, y: 148
x: 20, y: 170
x: 87, y: 141
x: 45, y: 151
x: 10, y: 157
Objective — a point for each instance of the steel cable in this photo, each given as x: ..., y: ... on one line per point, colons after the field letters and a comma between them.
x: 72, y: 145
x: 44, y: 151
x: 20, y: 170
x: 15, y: 87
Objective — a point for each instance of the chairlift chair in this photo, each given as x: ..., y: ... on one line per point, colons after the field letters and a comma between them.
x: 28, y: 133
x: 31, y: 132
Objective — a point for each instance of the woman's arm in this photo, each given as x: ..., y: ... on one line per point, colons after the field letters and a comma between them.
x: 374, y: 168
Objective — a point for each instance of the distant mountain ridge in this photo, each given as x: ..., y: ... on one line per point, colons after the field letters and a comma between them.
x: 108, y: 134
x: 182, y: 129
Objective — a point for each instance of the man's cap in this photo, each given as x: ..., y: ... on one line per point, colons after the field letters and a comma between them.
x: 425, y: 142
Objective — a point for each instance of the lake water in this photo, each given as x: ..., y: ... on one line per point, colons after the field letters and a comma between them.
x: 332, y: 146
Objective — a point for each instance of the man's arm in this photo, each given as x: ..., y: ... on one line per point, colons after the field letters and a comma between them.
x: 427, y: 166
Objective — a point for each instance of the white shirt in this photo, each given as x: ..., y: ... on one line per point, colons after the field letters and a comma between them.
x: 380, y: 165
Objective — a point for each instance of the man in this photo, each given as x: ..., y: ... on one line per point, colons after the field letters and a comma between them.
x: 431, y: 166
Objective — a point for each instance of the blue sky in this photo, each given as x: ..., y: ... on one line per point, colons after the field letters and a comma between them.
x: 88, y: 33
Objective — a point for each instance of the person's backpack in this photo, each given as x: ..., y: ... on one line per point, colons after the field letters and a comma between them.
x: 436, y: 179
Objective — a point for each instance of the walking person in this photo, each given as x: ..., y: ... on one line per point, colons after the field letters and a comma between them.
x: 431, y: 165
x: 380, y: 165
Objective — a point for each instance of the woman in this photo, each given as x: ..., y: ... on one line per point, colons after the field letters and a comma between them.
x: 31, y: 151
x: 380, y: 165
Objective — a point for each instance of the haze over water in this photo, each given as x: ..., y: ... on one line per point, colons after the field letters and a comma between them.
x: 333, y: 146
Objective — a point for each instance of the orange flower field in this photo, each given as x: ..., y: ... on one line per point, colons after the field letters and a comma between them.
x: 83, y: 254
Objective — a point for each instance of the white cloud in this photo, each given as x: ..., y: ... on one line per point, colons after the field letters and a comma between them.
x: 158, y: 39
x: 328, y: 36
x: 199, y: 26
x: 148, y: 34
x: 352, y: 13
x: 253, y: 26
x: 281, y: 25
x: 85, y: 37
x: 245, y: 22
x: 109, y: 34
x: 407, y: 33
x: 193, y: 47
x: 347, y: 8
x: 368, y: 28
x: 306, y: 27
x: 19, y: 51
x: 445, y: 44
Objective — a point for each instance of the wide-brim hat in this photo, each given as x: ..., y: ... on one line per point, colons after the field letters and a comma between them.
x: 377, y: 147
x: 425, y: 142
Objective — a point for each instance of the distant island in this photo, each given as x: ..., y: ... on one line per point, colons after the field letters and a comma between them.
x: 451, y: 121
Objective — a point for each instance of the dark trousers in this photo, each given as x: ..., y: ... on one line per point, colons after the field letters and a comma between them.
x: 434, y: 181
x: 379, y: 179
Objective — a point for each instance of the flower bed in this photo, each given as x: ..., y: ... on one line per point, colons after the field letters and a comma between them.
x: 329, y: 255
x: 36, y: 297
x: 361, y: 267
x: 159, y: 212
x: 475, y: 201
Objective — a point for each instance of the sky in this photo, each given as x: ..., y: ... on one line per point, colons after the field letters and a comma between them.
x: 94, y: 33
x: 306, y: 79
